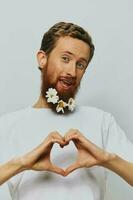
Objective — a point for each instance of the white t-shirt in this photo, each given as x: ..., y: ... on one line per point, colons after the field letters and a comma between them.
x: 23, y: 130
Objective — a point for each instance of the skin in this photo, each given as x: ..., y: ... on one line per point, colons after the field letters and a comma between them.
x: 65, y: 60
x: 60, y: 64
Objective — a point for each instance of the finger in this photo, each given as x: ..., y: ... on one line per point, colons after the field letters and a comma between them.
x: 74, y: 139
x: 61, y: 142
x: 71, y: 168
x: 57, y: 138
x: 56, y: 169
x: 79, y: 139
x: 72, y: 134
x: 64, y: 143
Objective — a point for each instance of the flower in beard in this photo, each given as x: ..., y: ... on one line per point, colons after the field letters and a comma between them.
x: 71, y: 104
x: 52, y: 96
x: 60, y: 106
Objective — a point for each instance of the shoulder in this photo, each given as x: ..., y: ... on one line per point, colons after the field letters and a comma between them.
x: 96, y: 114
x: 7, y: 119
x: 13, y: 114
x: 93, y: 110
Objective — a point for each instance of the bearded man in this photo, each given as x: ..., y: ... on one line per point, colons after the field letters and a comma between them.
x: 79, y: 145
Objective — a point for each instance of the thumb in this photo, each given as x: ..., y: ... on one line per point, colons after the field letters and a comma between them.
x: 71, y: 168
x: 57, y: 170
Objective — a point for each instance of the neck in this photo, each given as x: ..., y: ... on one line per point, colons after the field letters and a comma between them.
x: 41, y: 103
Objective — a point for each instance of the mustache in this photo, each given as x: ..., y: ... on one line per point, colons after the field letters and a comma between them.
x: 68, y: 79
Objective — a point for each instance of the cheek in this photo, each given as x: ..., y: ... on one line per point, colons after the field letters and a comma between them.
x: 53, y: 70
x: 79, y: 77
x: 55, y: 66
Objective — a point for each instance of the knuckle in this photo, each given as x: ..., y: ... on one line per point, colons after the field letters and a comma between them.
x: 53, y: 134
x: 51, y: 137
x: 70, y: 130
x: 76, y: 134
x: 74, y: 131
x: 54, y: 137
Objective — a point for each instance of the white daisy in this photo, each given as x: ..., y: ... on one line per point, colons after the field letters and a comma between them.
x: 52, y: 96
x: 61, y: 105
x: 71, y: 104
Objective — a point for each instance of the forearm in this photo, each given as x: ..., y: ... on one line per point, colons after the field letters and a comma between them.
x: 10, y: 169
x: 121, y: 167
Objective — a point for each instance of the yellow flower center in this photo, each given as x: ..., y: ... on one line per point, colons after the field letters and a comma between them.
x: 61, y: 104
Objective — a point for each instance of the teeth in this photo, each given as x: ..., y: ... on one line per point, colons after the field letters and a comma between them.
x: 66, y: 82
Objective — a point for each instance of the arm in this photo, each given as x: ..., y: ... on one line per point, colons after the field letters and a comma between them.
x: 90, y: 155
x: 9, y: 169
x: 38, y: 159
x: 121, y: 167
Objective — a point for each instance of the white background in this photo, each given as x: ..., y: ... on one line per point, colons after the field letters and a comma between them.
x: 107, y: 84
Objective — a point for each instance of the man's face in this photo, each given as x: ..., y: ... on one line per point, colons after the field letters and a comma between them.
x: 65, y: 67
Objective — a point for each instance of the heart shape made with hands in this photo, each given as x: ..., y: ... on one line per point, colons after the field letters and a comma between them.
x: 88, y: 154
x: 64, y: 156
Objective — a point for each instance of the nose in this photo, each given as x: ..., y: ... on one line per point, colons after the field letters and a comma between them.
x: 71, y: 70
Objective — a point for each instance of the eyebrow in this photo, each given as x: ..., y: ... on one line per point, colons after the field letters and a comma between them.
x: 68, y: 52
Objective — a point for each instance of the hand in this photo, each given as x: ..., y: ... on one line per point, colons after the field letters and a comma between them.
x: 39, y: 158
x: 88, y: 153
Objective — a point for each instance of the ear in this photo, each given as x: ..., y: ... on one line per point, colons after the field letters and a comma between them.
x: 42, y: 59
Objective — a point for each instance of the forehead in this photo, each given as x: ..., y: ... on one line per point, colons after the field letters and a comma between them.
x: 73, y: 45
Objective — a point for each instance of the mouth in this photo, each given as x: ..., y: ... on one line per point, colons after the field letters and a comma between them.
x: 66, y: 83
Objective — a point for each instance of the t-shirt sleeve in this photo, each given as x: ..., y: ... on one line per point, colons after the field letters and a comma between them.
x: 118, y: 142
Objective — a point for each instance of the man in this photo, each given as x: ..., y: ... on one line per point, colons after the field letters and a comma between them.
x: 86, y: 132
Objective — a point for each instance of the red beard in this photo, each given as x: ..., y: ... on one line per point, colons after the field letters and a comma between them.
x: 65, y: 86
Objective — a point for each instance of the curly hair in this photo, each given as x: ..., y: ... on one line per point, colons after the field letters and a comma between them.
x: 65, y: 29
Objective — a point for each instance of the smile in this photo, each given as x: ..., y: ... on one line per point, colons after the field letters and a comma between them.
x: 65, y: 83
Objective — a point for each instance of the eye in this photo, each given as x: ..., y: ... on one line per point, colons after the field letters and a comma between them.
x: 65, y: 59
x: 80, y: 65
